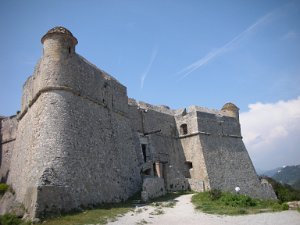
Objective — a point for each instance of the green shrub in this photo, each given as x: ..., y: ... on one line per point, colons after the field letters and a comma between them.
x: 285, y: 206
x: 9, y: 219
x: 3, y: 188
x: 215, y: 194
x: 236, y: 200
x: 280, y: 207
x: 234, y: 204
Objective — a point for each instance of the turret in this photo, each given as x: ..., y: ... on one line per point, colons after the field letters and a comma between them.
x: 58, y: 43
x: 231, y: 109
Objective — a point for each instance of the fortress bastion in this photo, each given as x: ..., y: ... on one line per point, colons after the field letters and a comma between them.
x: 78, y: 140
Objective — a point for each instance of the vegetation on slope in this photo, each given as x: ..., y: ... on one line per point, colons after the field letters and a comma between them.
x: 284, y: 192
x: 217, y: 202
x: 288, y: 175
x: 296, y: 185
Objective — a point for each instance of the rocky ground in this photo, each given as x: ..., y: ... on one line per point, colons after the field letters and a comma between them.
x: 183, y: 212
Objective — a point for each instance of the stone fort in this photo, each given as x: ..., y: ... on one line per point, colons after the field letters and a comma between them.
x: 78, y: 140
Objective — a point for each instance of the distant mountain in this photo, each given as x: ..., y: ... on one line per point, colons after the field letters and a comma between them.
x: 287, y: 174
x: 269, y: 173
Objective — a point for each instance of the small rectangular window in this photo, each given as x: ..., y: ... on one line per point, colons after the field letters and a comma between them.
x: 183, y: 129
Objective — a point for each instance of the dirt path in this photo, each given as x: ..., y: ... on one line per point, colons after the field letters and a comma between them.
x: 184, y: 213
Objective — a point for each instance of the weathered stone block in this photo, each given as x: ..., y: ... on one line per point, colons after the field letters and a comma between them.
x: 152, y: 188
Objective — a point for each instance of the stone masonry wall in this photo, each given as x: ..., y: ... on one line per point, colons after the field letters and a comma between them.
x: 166, y: 148
x: 74, y: 145
x: 152, y: 188
x: 79, y: 140
x: 8, y: 133
x: 227, y: 161
x: 193, y: 149
x: 163, y: 145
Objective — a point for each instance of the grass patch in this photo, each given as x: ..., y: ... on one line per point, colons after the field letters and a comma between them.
x: 99, y: 215
x: 233, y: 204
x: 9, y: 219
x: 110, y: 212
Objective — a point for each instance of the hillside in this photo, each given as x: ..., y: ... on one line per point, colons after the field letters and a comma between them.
x: 270, y: 173
x: 288, y: 175
x: 284, y: 192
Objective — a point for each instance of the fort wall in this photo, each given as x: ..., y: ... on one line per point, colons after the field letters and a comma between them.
x: 157, y: 125
x: 227, y: 161
x: 64, y: 153
x: 80, y: 141
x: 194, y: 165
x: 8, y: 132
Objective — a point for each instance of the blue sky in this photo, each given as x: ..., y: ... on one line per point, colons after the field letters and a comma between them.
x: 171, y: 52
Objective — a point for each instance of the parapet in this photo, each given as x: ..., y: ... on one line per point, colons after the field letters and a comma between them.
x: 61, y: 31
x: 146, y: 106
x: 232, y: 109
x: 229, y: 109
x: 230, y: 106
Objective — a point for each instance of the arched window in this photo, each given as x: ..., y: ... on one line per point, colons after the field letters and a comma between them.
x: 183, y: 129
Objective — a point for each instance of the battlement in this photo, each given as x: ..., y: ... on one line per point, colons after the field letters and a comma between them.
x: 225, y: 111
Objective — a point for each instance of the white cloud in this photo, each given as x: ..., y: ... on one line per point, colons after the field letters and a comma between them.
x: 271, y: 133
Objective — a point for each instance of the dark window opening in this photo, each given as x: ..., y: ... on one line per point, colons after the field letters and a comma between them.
x: 144, y: 150
x: 69, y: 50
x: 183, y: 129
x: 188, y: 166
x: 148, y: 172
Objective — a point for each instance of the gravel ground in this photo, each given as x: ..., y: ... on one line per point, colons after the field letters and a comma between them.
x: 184, y: 213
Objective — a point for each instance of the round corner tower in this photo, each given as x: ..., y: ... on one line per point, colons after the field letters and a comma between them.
x: 63, y: 147
x: 58, y: 43
x: 231, y: 109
